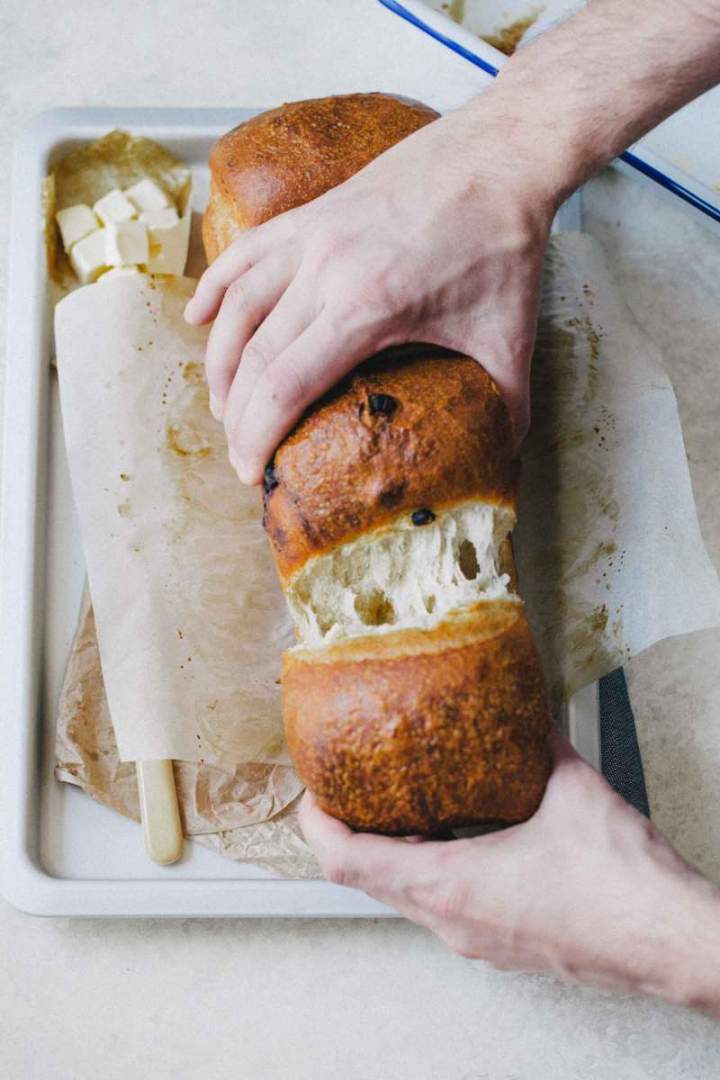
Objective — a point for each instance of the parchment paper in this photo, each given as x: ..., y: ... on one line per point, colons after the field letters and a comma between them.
x: 190, y: 618
x: 609, y: 549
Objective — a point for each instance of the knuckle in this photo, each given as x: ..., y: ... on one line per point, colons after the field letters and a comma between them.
x: 218, y: 276
x: 255, y: 356
x: 450, y: 903
x: 374, y: 293
x: 331, y: 252
x: 286, y: 387
x: 237, y: 294
x: 211, y: 277
x: 337, y: 871
x: 324, y: 248
x: 370, y: 303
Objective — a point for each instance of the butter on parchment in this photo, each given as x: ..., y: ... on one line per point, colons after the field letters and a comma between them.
x: 114, y: 207
x: 75, y: 222
x: 88, y: 257
x: 147, y: 196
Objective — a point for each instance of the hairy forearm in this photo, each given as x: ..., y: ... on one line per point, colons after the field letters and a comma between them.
x: 583, y: 92
x: 659, y: 936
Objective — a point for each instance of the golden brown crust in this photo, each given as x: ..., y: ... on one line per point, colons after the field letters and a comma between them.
x: 219, y: 226
x: 421, y: 731
x: 444, y: 437
x: 287, y: 156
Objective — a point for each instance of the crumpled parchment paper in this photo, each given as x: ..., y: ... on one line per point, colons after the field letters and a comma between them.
x: 248, y: 813
x: 610, y: 554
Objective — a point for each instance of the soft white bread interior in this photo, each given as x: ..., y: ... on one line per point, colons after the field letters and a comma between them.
x: 404, y: 576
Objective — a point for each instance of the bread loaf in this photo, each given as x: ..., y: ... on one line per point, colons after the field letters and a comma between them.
x: 290, y: 155
x: 413, y: 701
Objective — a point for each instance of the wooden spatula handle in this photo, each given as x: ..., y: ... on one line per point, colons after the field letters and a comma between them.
x: 159, y: 811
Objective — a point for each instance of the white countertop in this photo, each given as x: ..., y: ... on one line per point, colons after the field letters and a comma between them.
x: 366, y: 1000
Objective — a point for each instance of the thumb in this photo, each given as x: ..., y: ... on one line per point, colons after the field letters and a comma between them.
x: 387, y: 868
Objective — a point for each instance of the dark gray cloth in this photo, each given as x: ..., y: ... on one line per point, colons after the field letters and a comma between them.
x: 619, y: 749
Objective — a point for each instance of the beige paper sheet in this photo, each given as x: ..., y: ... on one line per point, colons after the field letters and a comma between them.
x: 609, y: 550
x: 190, y: 617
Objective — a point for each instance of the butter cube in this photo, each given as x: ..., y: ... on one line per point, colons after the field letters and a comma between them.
x: 75, y: 222
x: 169, y: 239
x: 114, y: 207
x: 87, y: 256
x: 147, y: 195
x: 127, y: 243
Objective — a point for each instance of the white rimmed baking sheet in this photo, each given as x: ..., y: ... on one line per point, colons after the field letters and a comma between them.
x: 62, y: 853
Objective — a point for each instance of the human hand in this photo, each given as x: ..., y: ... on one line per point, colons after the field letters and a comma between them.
x: 433, y: 241
x: 587, y: 889
x: 440, y: 239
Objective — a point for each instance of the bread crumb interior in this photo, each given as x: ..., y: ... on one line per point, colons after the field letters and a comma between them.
x: 403, y: 576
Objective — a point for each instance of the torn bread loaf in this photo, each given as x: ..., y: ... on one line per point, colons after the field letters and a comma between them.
x: 413, y: 701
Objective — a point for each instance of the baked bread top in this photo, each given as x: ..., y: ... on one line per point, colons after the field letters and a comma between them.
x: 296, y: 152
x: 414, y: 430
x: 418, y: 731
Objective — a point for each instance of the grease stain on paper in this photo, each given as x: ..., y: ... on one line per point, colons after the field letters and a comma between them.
x: 185, y: 442
x: 568, y: 542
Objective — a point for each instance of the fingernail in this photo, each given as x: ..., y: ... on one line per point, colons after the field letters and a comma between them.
x: 216, y: 407
x: 189, y: 310
x: 233, y: 459
x: 245, y: 473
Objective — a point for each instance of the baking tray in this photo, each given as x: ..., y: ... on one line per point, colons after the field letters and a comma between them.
x: 61, y: 853
x: 681, y: 156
